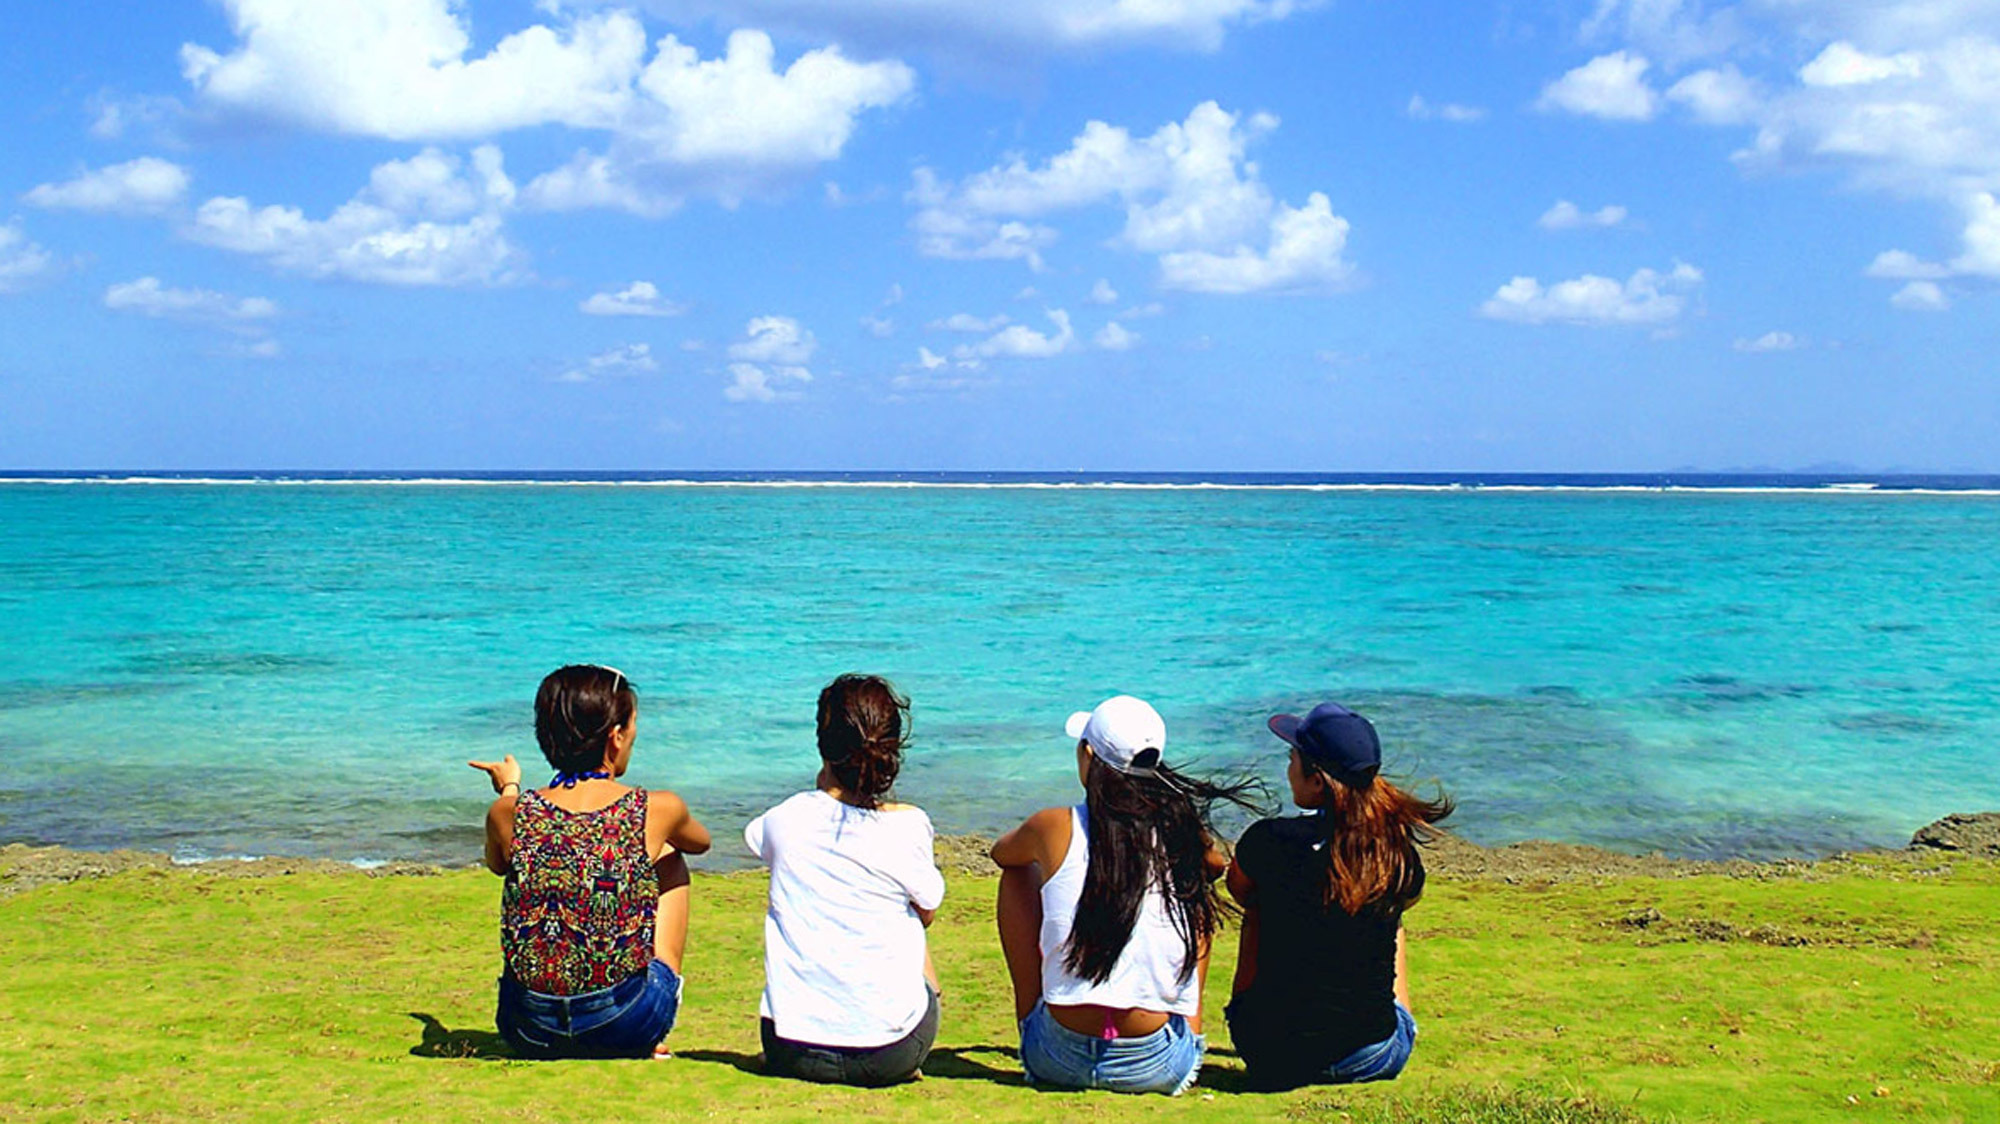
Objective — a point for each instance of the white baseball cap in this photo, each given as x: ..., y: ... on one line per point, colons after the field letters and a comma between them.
x: 1125, y: 733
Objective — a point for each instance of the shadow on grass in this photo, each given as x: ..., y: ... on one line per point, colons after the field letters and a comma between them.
x: 747, y: 1063
x: 440, y: 1041
x: 959, y: 1064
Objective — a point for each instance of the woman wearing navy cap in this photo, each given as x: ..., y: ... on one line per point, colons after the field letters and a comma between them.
x: 1322, y: 992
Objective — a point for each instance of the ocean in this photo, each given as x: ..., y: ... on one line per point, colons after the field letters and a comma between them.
x: 300, y: 665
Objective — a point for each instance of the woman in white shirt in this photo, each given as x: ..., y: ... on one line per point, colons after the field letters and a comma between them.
x: 850, y: 996
x: 1107, y: 968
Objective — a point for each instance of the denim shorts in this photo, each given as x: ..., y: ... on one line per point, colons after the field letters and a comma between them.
x: 625, y: 1020
x: 1379, y: 1061
x: 869, y: 1066
x: 1165, y: 1061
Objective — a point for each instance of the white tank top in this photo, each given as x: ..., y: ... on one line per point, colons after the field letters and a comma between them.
x: 1147, y: 975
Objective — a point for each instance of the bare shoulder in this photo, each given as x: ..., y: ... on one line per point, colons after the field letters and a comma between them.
x: 665, y: 802
x: 900, y: 808
x: 501, y: 811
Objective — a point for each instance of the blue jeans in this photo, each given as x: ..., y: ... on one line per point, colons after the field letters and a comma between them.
x: 1379, y: 1061
x: 1165, y: 1061
x: 625, y: 1020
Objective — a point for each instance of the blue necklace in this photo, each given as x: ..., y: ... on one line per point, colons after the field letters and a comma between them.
x: 566, y: 779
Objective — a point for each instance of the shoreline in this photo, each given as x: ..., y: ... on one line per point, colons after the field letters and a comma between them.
x: 25, y: 866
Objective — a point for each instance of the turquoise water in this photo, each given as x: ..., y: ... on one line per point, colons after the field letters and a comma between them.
x: 265, y: 669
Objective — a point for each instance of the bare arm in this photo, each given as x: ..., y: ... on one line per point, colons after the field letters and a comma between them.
x: 683, y: 832
x: 1035, y: 841
x: 1403, y: 972
x: 500, y: 835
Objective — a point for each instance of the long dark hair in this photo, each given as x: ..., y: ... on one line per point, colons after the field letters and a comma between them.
x: 861, y: 724
x: 576, y: 712
x: 1372, y: 831
x: 1146, y: 833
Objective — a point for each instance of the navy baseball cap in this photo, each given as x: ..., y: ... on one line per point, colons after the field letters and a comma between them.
x: 1334, y: 740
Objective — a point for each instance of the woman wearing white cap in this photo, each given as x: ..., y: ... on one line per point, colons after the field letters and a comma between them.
x: 1322, y: 990
x: 1107, y: 968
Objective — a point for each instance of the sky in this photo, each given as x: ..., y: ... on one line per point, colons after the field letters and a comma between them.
x: 1106, y: 235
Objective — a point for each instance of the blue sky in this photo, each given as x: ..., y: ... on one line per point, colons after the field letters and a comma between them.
x: 1051, y: 234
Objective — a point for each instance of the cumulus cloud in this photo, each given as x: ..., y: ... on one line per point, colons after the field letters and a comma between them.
x: 1611, y: 87
x: 1920, y: 296
x: 881, y: 327
x: 1420, y: 109
x: 22, y: 262
x: 428, y: 220
x: 640, y: 298
x: 148, y: 185
x: 1566, y: 215
x: 973, y: 33
x: 1018, y: 341
x: 1103, y: 293
x: 630, y: 359
x: 678, y: 124
x: 1189, y: 194
x: 770, y: 360
x: 1901, y: 95
x: 1648, y: 298
x: 246, y: 318
x: 1769, y: 342
x: 1114, y: 337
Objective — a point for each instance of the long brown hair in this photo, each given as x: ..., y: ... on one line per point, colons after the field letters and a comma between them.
x: 861, y: 723
x: 1372, y: 831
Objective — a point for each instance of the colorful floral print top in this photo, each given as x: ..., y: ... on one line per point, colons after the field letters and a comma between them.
x: 577, y: 911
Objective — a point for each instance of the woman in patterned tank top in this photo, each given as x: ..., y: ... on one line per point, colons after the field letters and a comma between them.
x: 594, y: 914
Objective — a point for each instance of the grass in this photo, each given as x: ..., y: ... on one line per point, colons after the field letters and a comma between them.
x: 1868, y: 993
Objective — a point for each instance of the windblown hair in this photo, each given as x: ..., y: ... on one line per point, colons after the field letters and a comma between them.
x: 861, y: 723
x: 577, y: 710
x: 1372, y: 832
x: 1146, y: 833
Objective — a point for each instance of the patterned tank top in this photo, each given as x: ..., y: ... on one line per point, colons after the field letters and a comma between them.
x: 576, y: 914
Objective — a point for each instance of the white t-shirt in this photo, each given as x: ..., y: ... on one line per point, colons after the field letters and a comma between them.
x: 843, y: 947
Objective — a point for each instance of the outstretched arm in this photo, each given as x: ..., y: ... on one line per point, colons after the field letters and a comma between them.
x: 505, y: 774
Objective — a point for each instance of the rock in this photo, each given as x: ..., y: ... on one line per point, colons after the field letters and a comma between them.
x: 1976, y: 833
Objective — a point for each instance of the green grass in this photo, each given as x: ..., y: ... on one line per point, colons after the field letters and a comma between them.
x: 1869, y: 994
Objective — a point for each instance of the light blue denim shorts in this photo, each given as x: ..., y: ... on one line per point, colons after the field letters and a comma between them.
x: 1379, y: 1061
x: 1165, y: 1061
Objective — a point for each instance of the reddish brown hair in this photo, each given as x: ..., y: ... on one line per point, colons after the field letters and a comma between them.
x: 862, y: 719
x: 1372, y: 831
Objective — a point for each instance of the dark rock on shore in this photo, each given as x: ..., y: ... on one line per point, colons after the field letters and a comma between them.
x: 1976, y: 833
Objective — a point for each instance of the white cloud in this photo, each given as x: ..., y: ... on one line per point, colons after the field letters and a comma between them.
x: 1114, y: 337
x: 396, y: 231
x: 1901, y: 265
x: 1420, y: 109
x: 1612, y: 87
x: 1304, y: 254
x: 678, y: 124
x: 967, y: 322
x: 1647, y: 298
x: 22, y: 262
x: 1103, y: 293
x: 640, y: 298
x: 631, y: 359
x: 1018, y: 341
x: 1144, y: 311
x: 930, y: 360
x: 774, y: 339
x: 1189, y: 193
x: 112, y: 116
x: 980, y: 34
x: 1769, y: 342
x: 148, y: 185
x: 749, y: 382
x: 770, y: 360
x: 397, y: 69
x: 148, y: 297
x: 1565, y: 215
x: 881, y: 327
x: 1841, y: 64
x: 247, y: 319
x: 1720, y: 96
x: 1920, y: 296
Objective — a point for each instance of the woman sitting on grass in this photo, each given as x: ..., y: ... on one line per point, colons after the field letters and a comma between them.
x: 1322, y: 990
x: 1106, y: 912
x: 850, y: 996
x: 594, y: 915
